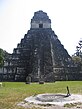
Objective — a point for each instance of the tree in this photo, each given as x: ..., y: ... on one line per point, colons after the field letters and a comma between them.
x: 1, y: 57
x: 77, y: 57
x: 79, y: 49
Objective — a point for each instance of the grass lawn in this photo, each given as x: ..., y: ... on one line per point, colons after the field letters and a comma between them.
x: 14, y: 92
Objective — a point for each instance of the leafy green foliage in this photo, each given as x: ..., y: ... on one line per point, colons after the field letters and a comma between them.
x: 77, y: 57
x: 1, y: 57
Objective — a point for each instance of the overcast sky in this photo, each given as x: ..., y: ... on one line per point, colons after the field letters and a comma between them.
x: 65, y: 15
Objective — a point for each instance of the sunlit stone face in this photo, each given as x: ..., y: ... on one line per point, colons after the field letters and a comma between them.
x: 40, y: 20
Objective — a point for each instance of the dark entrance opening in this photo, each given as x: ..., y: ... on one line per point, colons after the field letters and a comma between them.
x: 40, y: 25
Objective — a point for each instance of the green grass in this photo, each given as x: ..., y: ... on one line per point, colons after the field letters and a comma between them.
x: 14, y: 92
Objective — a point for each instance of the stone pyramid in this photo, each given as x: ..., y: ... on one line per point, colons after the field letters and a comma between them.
x: 40, y: 54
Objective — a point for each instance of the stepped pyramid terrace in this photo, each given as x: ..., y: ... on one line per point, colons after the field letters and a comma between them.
x: 40, y: 55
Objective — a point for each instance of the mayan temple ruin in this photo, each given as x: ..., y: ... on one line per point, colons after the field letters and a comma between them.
x: 39, y: 55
